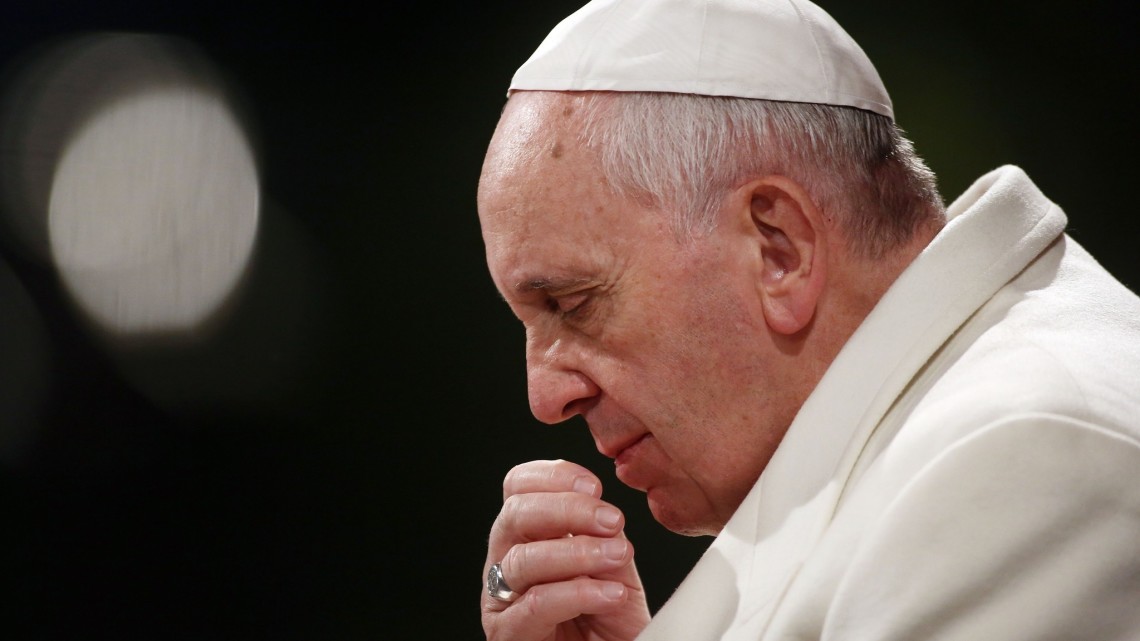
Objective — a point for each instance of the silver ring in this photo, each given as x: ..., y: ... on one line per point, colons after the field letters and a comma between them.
x: 497, y: 586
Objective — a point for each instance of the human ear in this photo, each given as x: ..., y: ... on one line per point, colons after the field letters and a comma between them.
x: 790, y: 232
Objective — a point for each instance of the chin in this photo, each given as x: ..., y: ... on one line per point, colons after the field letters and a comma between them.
x: 681, y: 521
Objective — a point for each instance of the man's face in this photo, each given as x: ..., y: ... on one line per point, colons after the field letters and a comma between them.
x: 659, y: 343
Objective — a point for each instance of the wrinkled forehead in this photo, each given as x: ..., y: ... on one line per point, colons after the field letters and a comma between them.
x: 534, y: 151
x: 534, y: 125
x: 543, y: 200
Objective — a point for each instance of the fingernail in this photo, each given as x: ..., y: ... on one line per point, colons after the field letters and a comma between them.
x: 583, y: 485
x: 607, y: 516
x: 613, y: 591
x: 614, y: 549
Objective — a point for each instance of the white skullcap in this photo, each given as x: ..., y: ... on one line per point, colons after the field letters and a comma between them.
x: 788, y: 50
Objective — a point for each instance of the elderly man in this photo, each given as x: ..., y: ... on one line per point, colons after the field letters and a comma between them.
x: 900, y: 420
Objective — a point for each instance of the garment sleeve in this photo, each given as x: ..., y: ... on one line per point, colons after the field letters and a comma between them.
x: 1028, y: 529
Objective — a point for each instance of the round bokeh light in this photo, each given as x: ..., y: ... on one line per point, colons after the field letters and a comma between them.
x: 153, y: 209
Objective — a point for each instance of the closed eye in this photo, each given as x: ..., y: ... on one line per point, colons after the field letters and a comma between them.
x: 563, y: 297
x: 569, y: 304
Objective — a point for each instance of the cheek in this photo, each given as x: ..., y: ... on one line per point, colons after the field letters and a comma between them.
x: 689, y: 356
x: 711, y: 390
x: 715, y: 355
x: 676, y: 329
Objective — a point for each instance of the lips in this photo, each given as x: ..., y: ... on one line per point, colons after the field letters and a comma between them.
x: 614, y: 450
x: 631, y: 463
x: 628, y: 450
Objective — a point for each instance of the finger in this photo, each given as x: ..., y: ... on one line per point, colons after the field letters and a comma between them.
x: 535, y: 614
x: 551, y: 476
x: 529, y: 564
x: 540, y: 516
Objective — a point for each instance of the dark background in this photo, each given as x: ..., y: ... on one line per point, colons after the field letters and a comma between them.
x: 327, y: 465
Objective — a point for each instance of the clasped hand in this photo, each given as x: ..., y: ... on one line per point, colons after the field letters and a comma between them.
x: 563, y: 551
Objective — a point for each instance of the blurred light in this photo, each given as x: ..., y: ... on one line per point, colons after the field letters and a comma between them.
x: 133, y: 173
x: 153, y: 211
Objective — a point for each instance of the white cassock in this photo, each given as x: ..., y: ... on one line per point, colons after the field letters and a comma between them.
x: 967, y: 469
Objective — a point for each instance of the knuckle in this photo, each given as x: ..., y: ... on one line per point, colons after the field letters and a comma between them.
x: 510, y: 481
x: 535, y: 601
x: 583, y: 589
x: 514, y: 564
x: 508, y: 523
x: 549, y: 476
x: 562, y: 468
x: 579, y: 507
x: 525, y: 475
x: 584, y: 550
x: 514, y: 505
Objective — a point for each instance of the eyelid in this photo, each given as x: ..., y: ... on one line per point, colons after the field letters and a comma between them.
x: 569, y: 303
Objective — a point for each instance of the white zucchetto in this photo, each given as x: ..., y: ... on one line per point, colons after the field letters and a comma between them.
x: 789, y: 50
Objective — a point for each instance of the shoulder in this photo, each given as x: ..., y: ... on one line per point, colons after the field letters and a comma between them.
x: 1062, y: 338
x: 1035, y: 513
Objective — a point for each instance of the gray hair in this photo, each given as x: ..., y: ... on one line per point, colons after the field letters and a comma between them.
x: 686, y: 152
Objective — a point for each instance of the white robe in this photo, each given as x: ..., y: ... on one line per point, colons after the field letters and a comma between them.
x: 967, y: 469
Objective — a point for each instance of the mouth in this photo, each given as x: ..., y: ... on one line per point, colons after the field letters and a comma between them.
x: 614, y: 449
x: 618, y: 452
x: 633, y: 464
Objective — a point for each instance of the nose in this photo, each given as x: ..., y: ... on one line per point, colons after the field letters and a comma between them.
x: 557, y: 390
